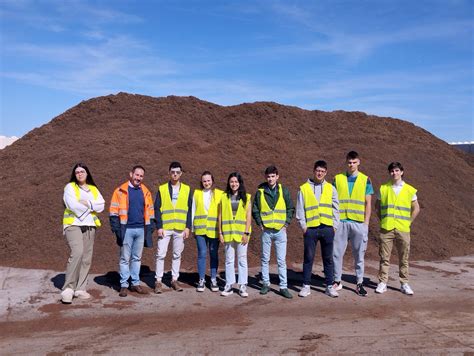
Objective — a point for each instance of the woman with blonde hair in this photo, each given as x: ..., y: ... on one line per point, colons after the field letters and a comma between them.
x: 204, y: 216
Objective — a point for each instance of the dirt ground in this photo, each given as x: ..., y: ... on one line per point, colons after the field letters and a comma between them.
x: 438, y: 319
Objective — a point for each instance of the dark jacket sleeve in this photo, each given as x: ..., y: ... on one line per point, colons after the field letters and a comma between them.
x: 148, y: 236
x: 290, y: 208
x: 189, y: 217
x: 256, y: 209
x: 158, y: 219
x: 116, y: 228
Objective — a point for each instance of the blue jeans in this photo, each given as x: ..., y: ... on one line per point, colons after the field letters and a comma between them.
x: 131, y: 256
x: 325, y: 235
x: 279, y: 238
x: 203, y: 243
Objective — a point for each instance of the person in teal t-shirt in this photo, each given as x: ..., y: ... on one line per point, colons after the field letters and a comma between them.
x: 355, y: 192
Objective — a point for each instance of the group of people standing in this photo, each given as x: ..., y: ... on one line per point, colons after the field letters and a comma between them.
x: 335, y: 214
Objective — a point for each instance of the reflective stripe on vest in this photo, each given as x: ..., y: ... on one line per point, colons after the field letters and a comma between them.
x: 69, y: 216
x: 233, y: 227
x: 351, y: 206
x: 317, y: 213
x: 174, y: 217
x: 276, y: 218
x: 395, y: 209
x: 206, y: 223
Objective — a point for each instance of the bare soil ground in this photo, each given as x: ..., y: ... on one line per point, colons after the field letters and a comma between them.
x: 438, y: 319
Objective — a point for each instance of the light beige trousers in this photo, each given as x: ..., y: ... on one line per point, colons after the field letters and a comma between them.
x: 402, y: 244
x: 81, y: 243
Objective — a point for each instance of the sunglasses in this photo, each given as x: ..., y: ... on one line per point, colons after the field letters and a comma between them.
x: 175, y: 171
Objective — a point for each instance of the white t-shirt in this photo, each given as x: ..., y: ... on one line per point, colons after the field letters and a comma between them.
x: 396, y: 189
x: 207, y: 197
x: 175, y: 193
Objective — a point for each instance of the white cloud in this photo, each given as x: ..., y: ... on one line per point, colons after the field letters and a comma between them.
x: 5, y: 141
x: 92, y: 69
x: 61, y: 16
x: 327, y: 34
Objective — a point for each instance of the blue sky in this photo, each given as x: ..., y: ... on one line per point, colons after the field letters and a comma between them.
x: 407, y: 59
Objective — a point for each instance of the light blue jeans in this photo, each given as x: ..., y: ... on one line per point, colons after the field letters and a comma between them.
x: 279, y: 238
x: 131, y: 256
x: 231, y: 249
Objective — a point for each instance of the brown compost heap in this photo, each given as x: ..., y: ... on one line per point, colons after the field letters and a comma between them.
x: 112, y: 133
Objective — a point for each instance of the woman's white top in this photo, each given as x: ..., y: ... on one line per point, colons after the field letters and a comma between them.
x: 82, y: 213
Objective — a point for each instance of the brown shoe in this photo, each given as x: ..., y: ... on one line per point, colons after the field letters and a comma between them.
x: 138, y: 289
x: 123, y: 292
x: 175, y: 285
x: 158, y: 287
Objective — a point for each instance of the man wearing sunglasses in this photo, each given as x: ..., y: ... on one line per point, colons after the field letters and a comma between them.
x: 173, y: 206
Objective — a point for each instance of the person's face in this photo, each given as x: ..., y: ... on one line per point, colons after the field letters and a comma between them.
x: 206, y: 181
x: 234, y: 184
x: 396, y: 174
x: 320, y: 174
x: 136, y: 177
x: 175, y: 174
x: 81, y: 175
x: 353, y: 165
x: 272, y: 179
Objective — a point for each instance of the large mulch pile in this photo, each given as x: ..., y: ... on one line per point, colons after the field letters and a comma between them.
x: 112, y: 133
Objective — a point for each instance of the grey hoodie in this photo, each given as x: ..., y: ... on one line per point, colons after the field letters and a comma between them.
x: 317, y: 189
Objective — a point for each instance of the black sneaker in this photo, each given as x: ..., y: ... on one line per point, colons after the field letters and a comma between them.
x: 360, y: 290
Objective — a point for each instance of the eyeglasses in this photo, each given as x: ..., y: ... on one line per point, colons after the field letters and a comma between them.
x: 320, y: 171
x: 175, y: 172
x: 80, y: 172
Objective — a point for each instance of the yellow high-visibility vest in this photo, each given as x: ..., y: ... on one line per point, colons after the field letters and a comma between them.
x: 174, y: 217
x: 69, y: 216
x: 206, y: 223
x: 351, y: 206
x: 317, y: 213
x: 395, y: 210
x: 276, y: 218
x: 233, y: 227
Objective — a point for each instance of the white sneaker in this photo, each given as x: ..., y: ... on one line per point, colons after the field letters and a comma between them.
x: 331, y: 291
x: 337, y: 285
x: 227, y: 291
x: 405, y: 288
x: 200, y: 286
x: 305, y: 291
x: 243, y: 291
x: 81, y: 294
x: 67, y: 295
x: 381, y: 288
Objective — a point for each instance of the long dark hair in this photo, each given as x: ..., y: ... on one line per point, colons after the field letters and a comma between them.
x: 242, y: 194
x: 89, y: 179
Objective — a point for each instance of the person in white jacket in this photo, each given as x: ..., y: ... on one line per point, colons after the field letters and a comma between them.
x: 82, y: 202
